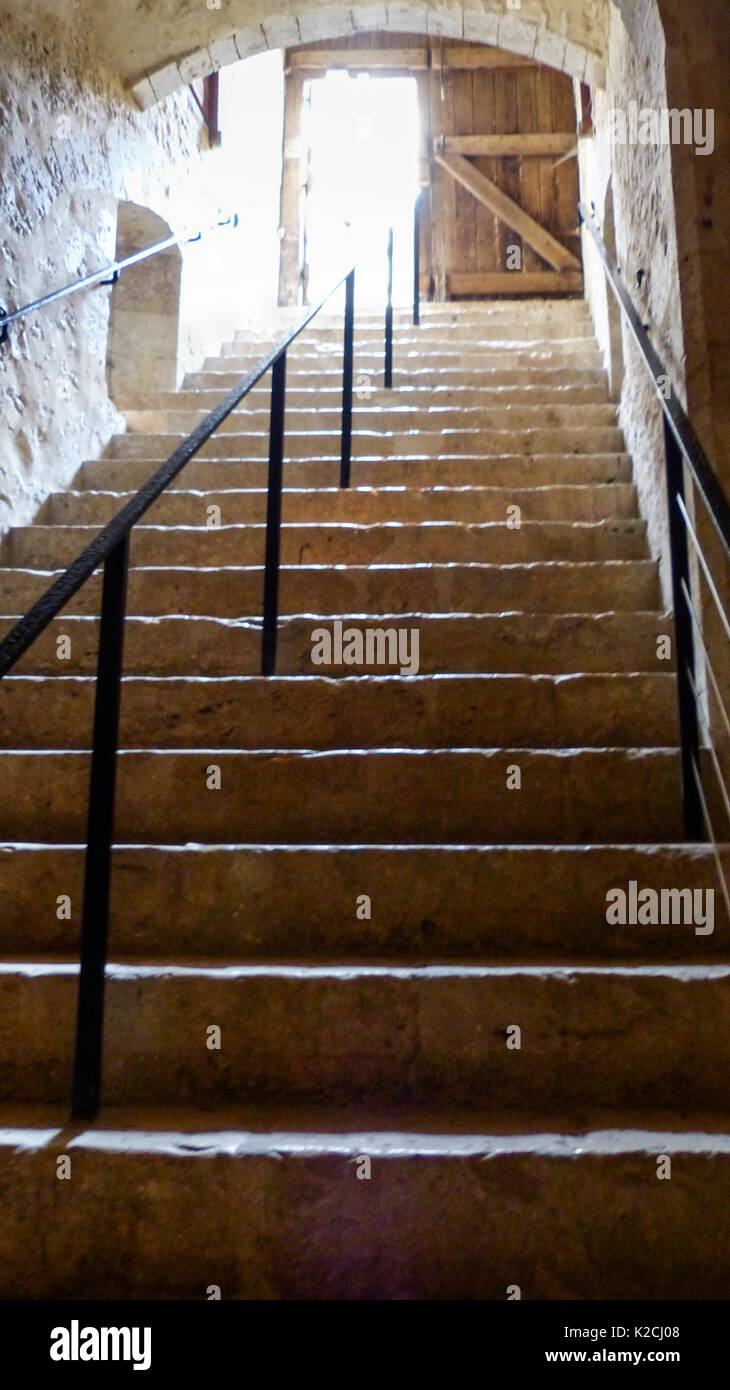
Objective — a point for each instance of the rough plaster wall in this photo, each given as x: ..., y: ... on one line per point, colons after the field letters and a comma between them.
x: 646, y: 240
x: 698, y: 60
x: 672, y: 215
x: 72, y: 145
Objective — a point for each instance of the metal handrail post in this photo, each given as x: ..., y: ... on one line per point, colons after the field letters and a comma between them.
x: 417, y: 259
x: 347, y: 369
x: 99, y: 836
x: 684, y: 640
x: 388, y: 374
x: 273, y: 517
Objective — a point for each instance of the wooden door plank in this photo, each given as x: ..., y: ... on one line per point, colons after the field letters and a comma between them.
x: 529, y: 197
x: 487, y: 225
x: 507, y: 173
x: 566, y: 175
x: 481, y: 56
x: 317, y: 59
x: 509, y: 211
x: 443, y: 209
x: 548, y: 196
x: 425, y: 179
x: 465, y: 229
x: 547, y: 282
x: 523, y: 143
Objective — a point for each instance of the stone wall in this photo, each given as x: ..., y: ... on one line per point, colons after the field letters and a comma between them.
x: 631, y: 185
x: 73, y: 145
x: 668, y: 204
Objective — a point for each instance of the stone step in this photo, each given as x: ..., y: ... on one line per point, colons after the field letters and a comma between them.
x: 396, y: 711
x: 272, y: 1204
x: 483, y: 819
x: 294, y: 902
x: 507, y: 334
x: 459, y: 357
x: 640, y: 1037
x: 380, y: 444
x: 371, y: 337
x: 478, y: 378
x: 372, y: 418
x: 511, y: 326
x: 463, y: 311
x: 367, y: 394
x: 435, y: 350
x: 343, y: 543
x: 582, y: 796
x: 509, y: 471
x: 413, y: 343
x: 361, y: 505
x: 512, y: 642
x: 233, y: 591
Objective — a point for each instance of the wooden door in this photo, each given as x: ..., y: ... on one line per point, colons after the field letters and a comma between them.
x: 498, y: 164
x: 504, y: 175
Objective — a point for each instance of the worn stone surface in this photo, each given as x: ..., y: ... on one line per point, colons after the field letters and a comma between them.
x: 71, y: 146
x: 651, y: 1036
x: 329, y: 590
x: 139, y: 43
x: 415, y: 470
x: 354, y: 797
x: 281, y: 1215
x: 296, y: 902
x: 527, y: 642
x: 343, y: 1033
x: 362, y: 505
x: 378, y: 444
x: 315, y: 543
x: 73, y: 149
x: 276, y: 1226
x: 381, y: 711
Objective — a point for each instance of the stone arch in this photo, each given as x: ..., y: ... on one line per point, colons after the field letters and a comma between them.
x: 570, y: 38
x: 145, y: 309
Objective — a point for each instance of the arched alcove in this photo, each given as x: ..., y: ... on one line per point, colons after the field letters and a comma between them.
x: 144, y: 314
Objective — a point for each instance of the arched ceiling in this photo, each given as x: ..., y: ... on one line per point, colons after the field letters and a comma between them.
x: 157, y: 45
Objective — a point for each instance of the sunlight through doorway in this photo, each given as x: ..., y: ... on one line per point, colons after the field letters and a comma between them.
x: 361, y: 150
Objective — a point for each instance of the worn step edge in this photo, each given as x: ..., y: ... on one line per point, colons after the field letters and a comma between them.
x: 428, y: 902
x: 403, y: 710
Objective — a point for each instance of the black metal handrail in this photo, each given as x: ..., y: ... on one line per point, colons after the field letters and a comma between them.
x: 110, y: 547
x: 108, y: 275
x: 417, y: 258
x: 388, y: 361
x: 682, y: 447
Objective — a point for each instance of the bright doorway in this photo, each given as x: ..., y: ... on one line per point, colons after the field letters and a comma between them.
x: 360, y: 138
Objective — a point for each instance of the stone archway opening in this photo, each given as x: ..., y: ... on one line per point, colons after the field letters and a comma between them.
x: 572, y: 40
x: 142, y: 349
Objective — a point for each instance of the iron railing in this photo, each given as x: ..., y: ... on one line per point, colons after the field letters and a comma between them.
x: 388, y: 366
x: 417, y: 258
x: 110, y: 548
x: 108, y: 275
x: 685, y: 456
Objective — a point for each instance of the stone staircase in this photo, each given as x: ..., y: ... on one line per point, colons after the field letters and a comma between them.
x: 395, y: 873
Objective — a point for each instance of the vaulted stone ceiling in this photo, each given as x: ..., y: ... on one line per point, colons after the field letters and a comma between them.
x: 155, y: 45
